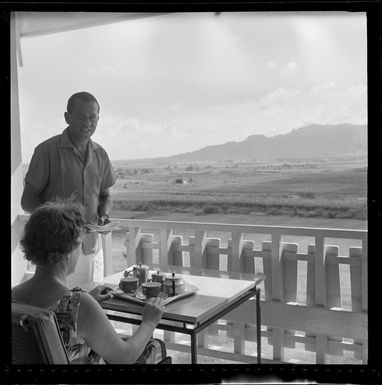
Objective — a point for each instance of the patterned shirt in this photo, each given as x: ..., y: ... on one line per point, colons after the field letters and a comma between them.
x: 58, y: 170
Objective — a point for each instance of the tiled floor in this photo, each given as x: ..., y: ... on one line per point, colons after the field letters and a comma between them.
x: 297, y: 355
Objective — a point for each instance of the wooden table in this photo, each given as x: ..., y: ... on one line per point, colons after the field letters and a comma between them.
x: 216, y: 296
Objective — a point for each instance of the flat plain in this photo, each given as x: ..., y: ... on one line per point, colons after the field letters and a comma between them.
x: 324, y: 188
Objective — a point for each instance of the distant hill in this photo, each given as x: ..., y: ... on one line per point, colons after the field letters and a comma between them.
x: 309, y: 141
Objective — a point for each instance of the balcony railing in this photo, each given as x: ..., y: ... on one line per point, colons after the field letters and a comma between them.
x: 315, y: 292
x: 316, y: 296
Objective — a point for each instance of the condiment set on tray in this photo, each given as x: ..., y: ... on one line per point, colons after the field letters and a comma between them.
x: 137, y: 286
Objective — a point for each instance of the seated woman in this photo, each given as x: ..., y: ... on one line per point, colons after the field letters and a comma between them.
x: 52, y: 241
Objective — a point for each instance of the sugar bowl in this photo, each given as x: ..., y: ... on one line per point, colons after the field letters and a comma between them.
x: 173, y: 285
x: 158, y: 277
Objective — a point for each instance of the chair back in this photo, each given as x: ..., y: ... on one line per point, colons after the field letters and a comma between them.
x: 36, y: 338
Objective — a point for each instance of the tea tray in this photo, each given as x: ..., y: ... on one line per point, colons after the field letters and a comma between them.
x: 139, y: 297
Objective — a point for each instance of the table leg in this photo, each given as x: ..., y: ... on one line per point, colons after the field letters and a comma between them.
x: 258, y: 325
x: 194, y: 348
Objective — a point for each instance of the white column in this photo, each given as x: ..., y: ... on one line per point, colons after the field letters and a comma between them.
x: 18, y: 263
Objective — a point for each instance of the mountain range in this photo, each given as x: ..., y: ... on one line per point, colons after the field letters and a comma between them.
x: 309, y: 141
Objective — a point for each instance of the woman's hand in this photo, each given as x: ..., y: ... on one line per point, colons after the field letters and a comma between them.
x: 100, y: 293
x: 153, y: 311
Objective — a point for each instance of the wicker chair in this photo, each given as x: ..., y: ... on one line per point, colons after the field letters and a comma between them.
x: 36, y: 338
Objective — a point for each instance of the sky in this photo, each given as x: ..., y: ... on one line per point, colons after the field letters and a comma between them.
x: 178, y: 82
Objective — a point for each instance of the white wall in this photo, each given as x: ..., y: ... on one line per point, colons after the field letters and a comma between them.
x: 18, y: 264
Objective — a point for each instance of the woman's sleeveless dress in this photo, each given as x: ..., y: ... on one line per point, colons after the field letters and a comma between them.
x: 79, y: 352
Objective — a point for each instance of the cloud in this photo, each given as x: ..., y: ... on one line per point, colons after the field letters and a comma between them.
x: 108, y: 70
x: 176, y: 106
x: 129, y: 138
x: 324, y: 86
x: 278, y: 112
x: 177, y: 129
x: 289, y: 70
x: 36, y: 131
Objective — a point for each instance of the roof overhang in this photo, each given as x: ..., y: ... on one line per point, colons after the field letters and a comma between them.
x: 42, y: 23
x: 30, y: 24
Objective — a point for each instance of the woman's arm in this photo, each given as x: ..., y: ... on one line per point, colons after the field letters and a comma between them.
x: 96, y: 329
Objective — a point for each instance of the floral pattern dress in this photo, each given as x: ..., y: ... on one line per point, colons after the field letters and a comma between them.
x: 79, y: 352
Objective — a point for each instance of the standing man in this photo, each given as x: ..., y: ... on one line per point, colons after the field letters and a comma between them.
x: 72, y: 165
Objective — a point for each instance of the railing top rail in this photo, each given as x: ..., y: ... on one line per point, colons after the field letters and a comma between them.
x: 245, y: 228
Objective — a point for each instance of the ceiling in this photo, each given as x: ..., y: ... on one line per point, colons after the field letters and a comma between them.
x: 31, y: 24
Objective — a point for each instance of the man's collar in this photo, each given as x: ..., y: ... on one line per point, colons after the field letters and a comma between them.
x: 65, y: 141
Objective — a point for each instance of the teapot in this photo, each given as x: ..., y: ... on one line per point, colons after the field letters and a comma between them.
x: 173, y: 285
x: 139, y: 271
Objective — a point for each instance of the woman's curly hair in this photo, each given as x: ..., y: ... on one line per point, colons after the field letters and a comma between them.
x: 52, y: 231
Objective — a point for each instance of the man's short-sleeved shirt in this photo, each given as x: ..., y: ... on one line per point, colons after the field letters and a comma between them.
x: 57, y: 169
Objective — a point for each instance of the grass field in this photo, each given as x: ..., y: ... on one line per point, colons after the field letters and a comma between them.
x: 317, y: 189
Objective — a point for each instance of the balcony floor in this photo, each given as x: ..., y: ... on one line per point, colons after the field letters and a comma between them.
x: 222, y: 343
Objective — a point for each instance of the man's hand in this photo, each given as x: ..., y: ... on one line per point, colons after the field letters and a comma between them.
x: 105, y: 204
x: 103, y: 219
x: 101, y: 293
